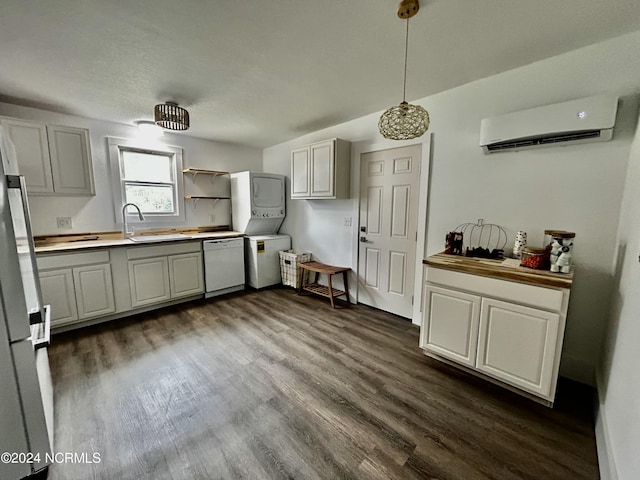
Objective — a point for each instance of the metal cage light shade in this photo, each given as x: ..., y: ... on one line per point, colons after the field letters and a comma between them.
x: 170, y: 116
x: 405, y: 121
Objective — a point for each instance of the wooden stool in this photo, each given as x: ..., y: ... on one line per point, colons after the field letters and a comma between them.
x: 324, y: 291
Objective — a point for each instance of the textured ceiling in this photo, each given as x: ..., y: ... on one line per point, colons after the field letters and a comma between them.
x: 262, y: 72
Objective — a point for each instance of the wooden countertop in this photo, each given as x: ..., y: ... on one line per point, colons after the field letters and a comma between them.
x: 90, y: 241
x: 499, y: 269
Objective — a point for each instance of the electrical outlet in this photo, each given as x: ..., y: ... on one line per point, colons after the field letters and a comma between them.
x: 64, y: 222
x: 347, y: 221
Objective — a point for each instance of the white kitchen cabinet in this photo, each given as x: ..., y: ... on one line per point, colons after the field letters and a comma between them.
x: 71, y: 163
x: 161, y: 273
x: 452, y: 330
x: 58, y: 292
x: 93, y: 290
x: 32, y: 151
x: 149, y: 281
x: 185, y: 274
x: 54, y: 159
x: 509, y: 330
x: 78, y: 286
x: 321, y: 170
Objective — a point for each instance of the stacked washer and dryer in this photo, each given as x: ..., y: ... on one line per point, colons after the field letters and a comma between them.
x: 258, y: 210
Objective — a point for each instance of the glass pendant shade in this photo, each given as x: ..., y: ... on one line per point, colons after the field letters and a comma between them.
x: 404, y: 122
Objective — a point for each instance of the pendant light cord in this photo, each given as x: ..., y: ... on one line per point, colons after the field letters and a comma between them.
x: 406, y: 54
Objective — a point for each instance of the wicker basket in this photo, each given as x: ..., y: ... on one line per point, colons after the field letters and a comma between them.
x: 289, y: 270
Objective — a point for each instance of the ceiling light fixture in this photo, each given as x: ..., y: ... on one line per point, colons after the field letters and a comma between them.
x: 170, y: 116
x: 405, y: 121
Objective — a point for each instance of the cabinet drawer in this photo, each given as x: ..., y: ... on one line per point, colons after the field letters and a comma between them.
x: 539, y: 297
x: 72, y: 259
x: 165, y: 249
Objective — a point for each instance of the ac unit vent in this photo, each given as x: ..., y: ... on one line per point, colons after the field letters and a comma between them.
x: 584, y: 120
x: 543, y: 140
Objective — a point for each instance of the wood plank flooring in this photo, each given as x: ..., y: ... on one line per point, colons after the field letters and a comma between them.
x: 271, y: 385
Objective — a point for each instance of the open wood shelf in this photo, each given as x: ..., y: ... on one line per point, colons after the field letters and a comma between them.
x: 199, y: 197
x: 204, y: 171
x: 323, y: 290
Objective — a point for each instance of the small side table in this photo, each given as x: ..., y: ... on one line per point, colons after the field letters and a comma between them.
x: 322, y: 290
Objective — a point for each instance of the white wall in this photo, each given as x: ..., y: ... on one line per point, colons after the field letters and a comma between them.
x: 96, y: 214
x: 577, y: 188
x: 618, y: 381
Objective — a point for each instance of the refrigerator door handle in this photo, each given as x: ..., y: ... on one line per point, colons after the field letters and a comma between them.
x: 18, y: 181
x: 41, y: 333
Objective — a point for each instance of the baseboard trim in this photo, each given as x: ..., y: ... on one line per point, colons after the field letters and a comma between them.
x: 606, y: 460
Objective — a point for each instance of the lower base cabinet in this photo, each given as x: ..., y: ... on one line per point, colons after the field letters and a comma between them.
x: 149, y: 281
x: 81, y: 292
x: 162, y: 273
x: 58, y: 292
x: 518, y: 345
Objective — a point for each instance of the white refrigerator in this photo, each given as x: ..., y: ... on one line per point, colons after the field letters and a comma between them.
x: 26, y: 393
x: 262, y: 259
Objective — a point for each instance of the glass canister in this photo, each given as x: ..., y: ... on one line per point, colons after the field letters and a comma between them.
x: 560, y: 248
x: 533, y: 257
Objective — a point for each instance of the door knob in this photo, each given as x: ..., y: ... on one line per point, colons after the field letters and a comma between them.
x: 363, y: 239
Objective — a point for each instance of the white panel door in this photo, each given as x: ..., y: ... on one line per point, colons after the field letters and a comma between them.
x: 185, y: 274
x: 94, y: 290
x: 322, y: 169
x: 58, y: 291
x: 149, y: 281
x: 389, y: 191
x: 450, y: 324
x: 32, y: 151
x: 517, y: 344
x: 300, y: 173
x: 71, y: 160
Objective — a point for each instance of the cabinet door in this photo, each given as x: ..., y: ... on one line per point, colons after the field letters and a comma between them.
x: 300, y: 173
x: 450, y: 324
x: 322, y: 170
x: 71, y: 160
x: 149, y: 281
x: 57, y: 291
x: 185, y: 274
x: 94, y: 290
x: 517, y: 344
x: 32, y: 152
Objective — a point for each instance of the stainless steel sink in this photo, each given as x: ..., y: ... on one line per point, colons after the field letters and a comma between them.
x: 159, y: 238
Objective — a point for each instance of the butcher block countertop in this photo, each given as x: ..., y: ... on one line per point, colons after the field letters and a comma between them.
x: 502, y: 269
x: 87, y: 241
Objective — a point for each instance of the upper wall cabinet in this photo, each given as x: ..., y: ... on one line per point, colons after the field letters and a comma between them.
x: 321, y: 170
x: 55, y: 160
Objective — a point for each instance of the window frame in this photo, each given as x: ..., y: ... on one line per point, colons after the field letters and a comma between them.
x: 152, y: 220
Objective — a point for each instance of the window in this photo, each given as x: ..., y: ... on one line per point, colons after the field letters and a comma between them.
x: 147, y: 177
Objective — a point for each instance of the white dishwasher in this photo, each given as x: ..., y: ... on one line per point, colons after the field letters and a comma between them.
x: 223, y: 266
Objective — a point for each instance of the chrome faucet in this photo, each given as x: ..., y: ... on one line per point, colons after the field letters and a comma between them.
x: 126, y: 233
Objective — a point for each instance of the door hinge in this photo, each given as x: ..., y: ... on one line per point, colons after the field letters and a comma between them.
x: 411, y: 300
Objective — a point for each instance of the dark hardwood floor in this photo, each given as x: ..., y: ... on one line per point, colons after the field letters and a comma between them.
x: 269, y: 385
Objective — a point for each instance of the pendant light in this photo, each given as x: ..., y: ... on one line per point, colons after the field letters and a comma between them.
x: 170, y: 116
x: 405, y: 121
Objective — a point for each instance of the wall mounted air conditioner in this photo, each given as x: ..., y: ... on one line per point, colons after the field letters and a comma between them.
x: 584, y: 120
